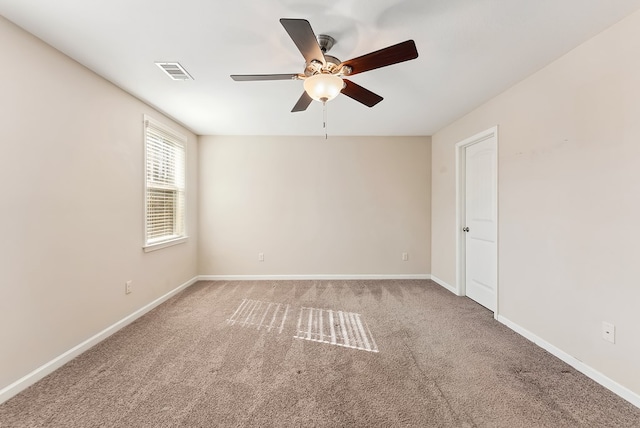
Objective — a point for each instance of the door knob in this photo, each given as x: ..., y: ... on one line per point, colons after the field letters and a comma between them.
x: 465, y: 229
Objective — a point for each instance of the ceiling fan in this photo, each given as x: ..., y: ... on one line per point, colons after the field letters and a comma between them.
x: 324, y: 75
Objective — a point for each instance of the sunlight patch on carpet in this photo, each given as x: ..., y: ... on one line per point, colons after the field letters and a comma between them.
x: 260, y: 314
x: 339, y: 328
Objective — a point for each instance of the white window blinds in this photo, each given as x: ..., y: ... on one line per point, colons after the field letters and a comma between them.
x: 165, y: 184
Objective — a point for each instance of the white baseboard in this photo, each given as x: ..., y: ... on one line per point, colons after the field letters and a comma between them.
x: 48, y: 368
x: 590, y: 372
x: 445, y: 285
x: 309, y: 277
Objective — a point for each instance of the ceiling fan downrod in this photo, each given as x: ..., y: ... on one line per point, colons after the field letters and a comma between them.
x: 326, y: 42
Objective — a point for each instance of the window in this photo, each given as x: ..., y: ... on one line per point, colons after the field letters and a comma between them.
x: 164, y: 186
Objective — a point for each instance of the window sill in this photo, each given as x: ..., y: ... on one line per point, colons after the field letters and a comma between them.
x: 165, y: 244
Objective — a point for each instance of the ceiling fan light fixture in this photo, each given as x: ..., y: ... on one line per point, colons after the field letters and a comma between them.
x: 323, y: 87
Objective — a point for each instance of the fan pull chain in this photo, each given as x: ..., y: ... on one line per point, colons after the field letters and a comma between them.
x: 324, y: 119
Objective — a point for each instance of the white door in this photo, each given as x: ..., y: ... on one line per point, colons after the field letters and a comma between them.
x: 481, y: 222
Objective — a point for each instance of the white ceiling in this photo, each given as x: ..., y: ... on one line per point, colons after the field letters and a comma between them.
x: 470, y: 51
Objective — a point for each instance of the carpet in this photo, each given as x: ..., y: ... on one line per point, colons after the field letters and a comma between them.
x: 317, y: 353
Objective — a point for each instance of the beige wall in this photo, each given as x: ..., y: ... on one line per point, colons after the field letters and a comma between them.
x: 569, y: 186
x: 71, y: 165
x: 345, y: 206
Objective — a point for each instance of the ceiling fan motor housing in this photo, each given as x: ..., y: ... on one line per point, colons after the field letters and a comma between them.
x: 332, y: 63
x: 315, y: 67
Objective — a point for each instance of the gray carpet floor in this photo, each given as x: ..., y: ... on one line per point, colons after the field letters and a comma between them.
x: 317, y: 353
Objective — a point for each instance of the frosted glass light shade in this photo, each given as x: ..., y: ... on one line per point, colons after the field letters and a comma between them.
x: 323, y: 87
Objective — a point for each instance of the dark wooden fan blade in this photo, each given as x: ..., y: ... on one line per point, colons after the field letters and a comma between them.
x: 303, y: 36
x: 392, y: 55
x: 252, y: 77
x: 360, y: 94
x: 302, y: 103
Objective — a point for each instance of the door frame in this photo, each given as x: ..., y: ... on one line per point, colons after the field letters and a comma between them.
x: 461, y: 211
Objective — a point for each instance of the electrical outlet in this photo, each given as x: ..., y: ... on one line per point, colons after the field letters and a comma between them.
x: 260, y: 257
x: 609, y: 332
x: 127, y: 287
x: 405, y: 256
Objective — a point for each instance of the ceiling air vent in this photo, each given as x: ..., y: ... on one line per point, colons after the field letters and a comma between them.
x: 174, y: 70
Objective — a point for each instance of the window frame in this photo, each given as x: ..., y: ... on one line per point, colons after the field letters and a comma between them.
x: 179, y: 140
